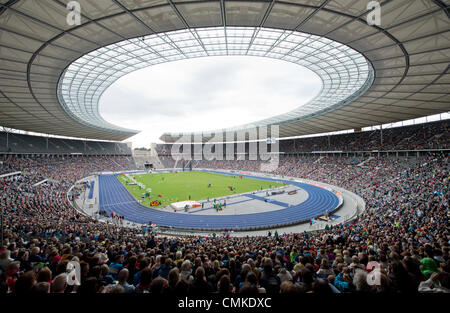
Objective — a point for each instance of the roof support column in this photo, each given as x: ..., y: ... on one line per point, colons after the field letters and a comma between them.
x: 381, y: 135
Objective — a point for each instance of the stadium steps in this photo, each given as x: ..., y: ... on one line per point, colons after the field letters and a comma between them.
x: 318, y: 160
x: 119, y: 166
x: 156, y: 162
x: 101, y: 167
x: 367, y: 160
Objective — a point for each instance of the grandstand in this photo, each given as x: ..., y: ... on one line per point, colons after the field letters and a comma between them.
x: 365, y: 208
x: 25, y: 144
x: 421, y: 138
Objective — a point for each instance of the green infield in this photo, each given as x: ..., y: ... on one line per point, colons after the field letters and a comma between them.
x: 181, y: 186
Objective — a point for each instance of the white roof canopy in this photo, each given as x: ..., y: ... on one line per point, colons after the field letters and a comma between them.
x: 49, y: 82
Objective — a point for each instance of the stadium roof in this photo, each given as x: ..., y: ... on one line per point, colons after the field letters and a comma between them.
x: 49, y: 82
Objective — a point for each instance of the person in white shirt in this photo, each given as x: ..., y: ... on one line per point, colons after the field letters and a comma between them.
x: 437, y: 283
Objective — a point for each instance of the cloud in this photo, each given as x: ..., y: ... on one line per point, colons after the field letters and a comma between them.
x: 205, y: 94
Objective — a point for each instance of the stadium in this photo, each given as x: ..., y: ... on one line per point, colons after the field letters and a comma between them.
x: 347, y: 193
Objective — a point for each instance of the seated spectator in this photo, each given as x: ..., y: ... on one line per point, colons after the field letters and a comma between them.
x: 25, y: 283
x: 182, y: 288
x: 90, y: 286
x: 401, y: 280
x: 269, y: 280
x: 356, y: 264
x: 159, y: 286
x: 343, y: 281
x: 321, y: 287
x: 200, y: 285
x: 437, y: 283
x: 173, y: 278
x: 59, y: 284
x: 288, y: 287
x: 428, y: 266
x: 360, y: 282
x: 116, y: 266
x: 5, y: 260
x: 41, y: 288
x: 165, y: 268
x: 145, y: 280
x: 122, y: 279
x: 224, y: 286
x: 324, y: 270
x: 185, y: 272
x: 114, y: 289
x: 44, y: 275
x: 305, y: 278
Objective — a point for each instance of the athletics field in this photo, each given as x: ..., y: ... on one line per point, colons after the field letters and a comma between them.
x: 180, y: 186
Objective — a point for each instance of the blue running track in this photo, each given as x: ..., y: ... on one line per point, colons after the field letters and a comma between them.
x: 255, y: 197
x: 114, y: 197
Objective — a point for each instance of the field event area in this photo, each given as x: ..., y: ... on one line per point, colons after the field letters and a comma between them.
x: 172, y: 187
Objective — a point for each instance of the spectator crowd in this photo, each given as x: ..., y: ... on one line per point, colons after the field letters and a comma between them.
x: 399, y: 244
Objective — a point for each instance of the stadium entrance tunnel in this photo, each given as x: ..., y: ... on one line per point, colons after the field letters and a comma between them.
x: 345, y: 73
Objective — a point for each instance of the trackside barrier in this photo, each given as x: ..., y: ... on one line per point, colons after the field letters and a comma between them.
x: 315, y: 227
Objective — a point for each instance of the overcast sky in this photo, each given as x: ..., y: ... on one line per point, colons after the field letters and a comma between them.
x: 205, y: 94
